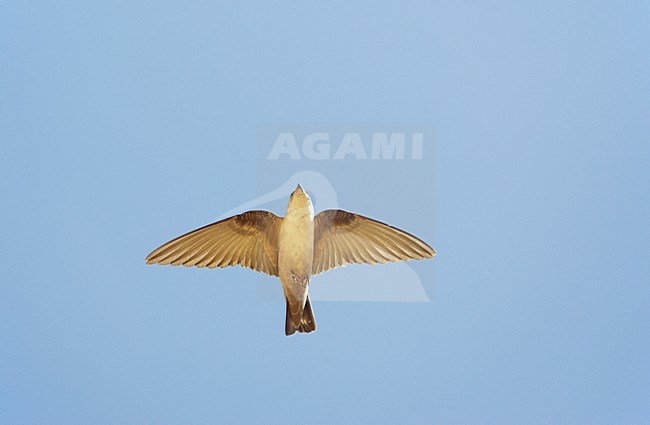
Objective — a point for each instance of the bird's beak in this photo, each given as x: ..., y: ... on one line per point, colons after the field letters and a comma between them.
x: 299, y: 188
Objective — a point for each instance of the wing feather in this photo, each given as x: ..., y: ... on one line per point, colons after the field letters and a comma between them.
x: 342, y: 238
x: 248, y: 240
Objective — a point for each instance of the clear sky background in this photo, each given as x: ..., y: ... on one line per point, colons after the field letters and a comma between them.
x: 125, y: 123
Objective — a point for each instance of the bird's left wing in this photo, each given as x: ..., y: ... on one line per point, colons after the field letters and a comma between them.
x: 249, y: 239
x: 341, y: 238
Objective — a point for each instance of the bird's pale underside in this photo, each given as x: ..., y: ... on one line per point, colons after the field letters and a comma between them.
x: 293, y: 248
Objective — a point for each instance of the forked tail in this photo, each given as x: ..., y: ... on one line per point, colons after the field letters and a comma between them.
x: 299, y: 321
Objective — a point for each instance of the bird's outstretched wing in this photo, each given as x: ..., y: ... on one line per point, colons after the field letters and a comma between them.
x: 342, y: 238
x: 249, y: 239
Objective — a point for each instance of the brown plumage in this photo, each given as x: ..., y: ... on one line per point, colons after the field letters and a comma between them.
x: 294, y: 248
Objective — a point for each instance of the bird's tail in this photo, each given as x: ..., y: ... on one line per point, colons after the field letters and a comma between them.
x: 299, y: 321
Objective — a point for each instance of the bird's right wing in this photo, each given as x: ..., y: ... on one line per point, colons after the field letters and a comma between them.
x: 249, y: 239
x: 342, y: 238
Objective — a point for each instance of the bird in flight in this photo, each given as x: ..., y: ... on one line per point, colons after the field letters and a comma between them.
x: 293, y: 248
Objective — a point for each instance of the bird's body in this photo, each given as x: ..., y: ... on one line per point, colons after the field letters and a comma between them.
x: 295, y: 255
x: 293, y: 248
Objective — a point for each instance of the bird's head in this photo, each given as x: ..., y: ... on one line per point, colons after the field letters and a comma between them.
x: 300, y: 203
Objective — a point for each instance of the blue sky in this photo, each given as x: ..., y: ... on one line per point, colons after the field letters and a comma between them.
x: 124, y: 124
